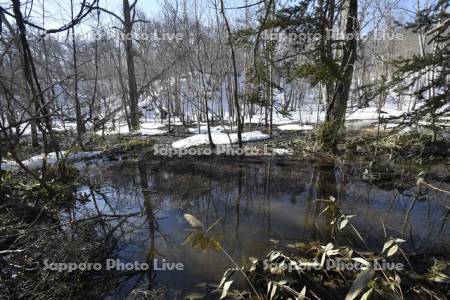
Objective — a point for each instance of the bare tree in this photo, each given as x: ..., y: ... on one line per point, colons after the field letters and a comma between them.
x: 235, y: 75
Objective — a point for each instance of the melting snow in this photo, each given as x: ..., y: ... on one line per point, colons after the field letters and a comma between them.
x: 147, y: 128
x: 295, y: 127
x: 204, y: 129
x: 219, y: 138
x: 36, y: 161
x: 282, y: 151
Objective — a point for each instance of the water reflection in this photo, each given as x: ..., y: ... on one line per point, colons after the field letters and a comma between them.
x: 263, y: 204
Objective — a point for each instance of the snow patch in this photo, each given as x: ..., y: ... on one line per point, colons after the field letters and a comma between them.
x: 8, y: 165
x: 295, y: 127
x: 204, y: 129
x: 219, y: 138
x: 36, y: 161
x: 282, y: 151
x: 371, y: 113
x: 146, y: 128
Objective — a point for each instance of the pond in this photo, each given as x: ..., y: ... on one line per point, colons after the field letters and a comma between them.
x: 262, y: 204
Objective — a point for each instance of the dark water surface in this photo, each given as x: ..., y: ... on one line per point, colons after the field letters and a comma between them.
x: 263, y: 204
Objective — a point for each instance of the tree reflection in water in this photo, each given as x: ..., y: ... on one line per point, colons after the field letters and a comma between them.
x: 262, y: 204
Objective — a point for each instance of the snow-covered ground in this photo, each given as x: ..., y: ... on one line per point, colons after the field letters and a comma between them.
x: 204, y: 129
x: 219, y: 138
x: 304, y: 118
x: 295, y: 127
x: 282, y: 151
x: 8, y: 165
x: 371, y: 113
x: 36, y: 161
x: 146, y: 128
x: 307, y: 116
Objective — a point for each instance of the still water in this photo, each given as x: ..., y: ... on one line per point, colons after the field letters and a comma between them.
x: 262, y: 204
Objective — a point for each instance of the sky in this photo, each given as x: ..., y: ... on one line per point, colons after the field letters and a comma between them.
x: 58, y: 11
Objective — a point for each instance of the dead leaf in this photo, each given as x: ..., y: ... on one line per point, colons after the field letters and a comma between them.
x: 343, y: 223
x: 225, y: 289
x: 302, y: 295
x: 387, y: 244
x: 392, y: 250
x: 193, y: 221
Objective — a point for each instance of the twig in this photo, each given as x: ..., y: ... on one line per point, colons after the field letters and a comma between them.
x: 11, y: 251
x: 434, y: 187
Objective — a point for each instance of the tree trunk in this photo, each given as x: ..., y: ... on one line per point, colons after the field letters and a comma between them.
x: 132, y: 87
x: 79, y: 118
x: 337, y: 107
x: 235, y: 75
x: 34, y: 85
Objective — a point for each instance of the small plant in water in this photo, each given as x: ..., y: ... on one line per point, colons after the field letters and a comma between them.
x: 202, y: 238
x: 314, y: 271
